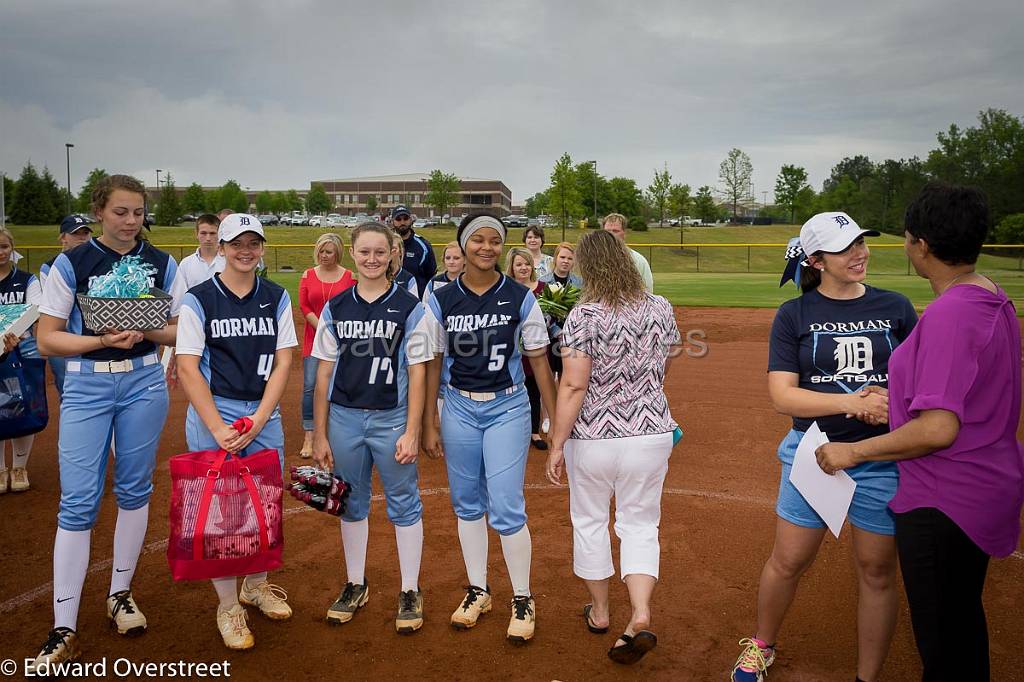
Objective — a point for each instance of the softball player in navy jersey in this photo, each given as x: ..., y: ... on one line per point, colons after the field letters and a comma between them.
x: 479, y: 323
x: 114, y: 387
x: 454, y: 261
x: 235, y: 340
x: 373, y: 347
x: 16, y: 287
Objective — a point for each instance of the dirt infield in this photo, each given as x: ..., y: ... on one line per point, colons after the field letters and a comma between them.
x: 716, y: 532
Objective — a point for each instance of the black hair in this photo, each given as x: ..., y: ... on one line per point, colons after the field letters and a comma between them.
x: 953, y: 219
x: 810, y: 276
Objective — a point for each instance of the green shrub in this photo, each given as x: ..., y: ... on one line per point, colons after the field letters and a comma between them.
x: 637, y: 222
x: 1010, y: 230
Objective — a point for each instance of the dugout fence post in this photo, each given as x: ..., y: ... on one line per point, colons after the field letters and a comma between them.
x: 748, y: 257
x: 698, y: 258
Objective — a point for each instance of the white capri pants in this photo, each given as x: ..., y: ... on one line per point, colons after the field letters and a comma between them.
x: 633, y: 470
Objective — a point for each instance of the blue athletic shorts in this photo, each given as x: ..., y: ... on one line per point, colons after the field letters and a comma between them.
x: 876, y: 485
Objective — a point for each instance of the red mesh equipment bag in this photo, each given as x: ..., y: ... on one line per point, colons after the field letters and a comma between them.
x: 226, y: 514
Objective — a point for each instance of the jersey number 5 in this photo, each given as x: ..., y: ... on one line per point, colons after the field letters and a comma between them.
x: 497, y: 359
x: 382, y: 365
x: 265, y: 365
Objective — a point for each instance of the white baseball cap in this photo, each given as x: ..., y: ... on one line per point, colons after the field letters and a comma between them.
x: 831, y: 232
x: 239, y: 223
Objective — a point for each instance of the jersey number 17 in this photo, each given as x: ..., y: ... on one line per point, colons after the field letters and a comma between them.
x: 382, y: 365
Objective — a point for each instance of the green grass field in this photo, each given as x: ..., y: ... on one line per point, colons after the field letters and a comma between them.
x: 716, y: 273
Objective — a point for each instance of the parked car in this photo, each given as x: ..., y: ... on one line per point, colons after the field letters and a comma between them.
x: 334, y: 221
x: 187, y: 218
x: 268, y: 219
x: 421, y: 222
x: 433, y: 220
x: 532, y: 222
x: 315, y: 221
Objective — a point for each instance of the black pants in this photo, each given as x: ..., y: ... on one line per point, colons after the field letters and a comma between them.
x: 944, y: 575
x: 534, y: 392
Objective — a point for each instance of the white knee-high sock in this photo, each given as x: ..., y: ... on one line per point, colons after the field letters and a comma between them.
x: 21, y: 447
x: 70, y: 564
x: 355, y: 535
x: 410, y: 552
x: 227, y: 591
x: 473, y: 538
x: 518, y: 551
x: 129, y: 534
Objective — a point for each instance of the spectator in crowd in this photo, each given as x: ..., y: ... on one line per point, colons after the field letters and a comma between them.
x: 616, y: 223
x: 954, y: 410
x: 561, y: 273
x: 613, y: 434
x: 318, y: 285
x: 533, y: 236
x: 419, y: 258
x: 200, y: 266
x: 454, y: 262
x: 519, y: 266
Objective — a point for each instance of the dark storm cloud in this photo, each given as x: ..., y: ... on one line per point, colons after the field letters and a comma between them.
x: 276, y: 94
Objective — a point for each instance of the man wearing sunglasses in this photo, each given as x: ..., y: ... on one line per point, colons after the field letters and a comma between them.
x: 419, y: 255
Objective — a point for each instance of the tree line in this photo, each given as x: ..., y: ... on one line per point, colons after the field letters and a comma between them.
x: 989, y: 155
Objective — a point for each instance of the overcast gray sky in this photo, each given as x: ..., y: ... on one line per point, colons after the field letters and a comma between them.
x: 275, y: 94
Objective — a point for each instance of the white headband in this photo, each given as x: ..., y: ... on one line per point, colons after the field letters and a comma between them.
x: 480, y: 222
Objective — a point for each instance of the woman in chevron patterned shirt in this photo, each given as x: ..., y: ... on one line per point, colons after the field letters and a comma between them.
x: 613, y: 422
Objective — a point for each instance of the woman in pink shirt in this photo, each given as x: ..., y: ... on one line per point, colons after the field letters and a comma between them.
x: 954, y: 410
x: 318, y: 285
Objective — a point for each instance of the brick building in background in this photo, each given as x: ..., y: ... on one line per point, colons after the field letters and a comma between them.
x: 349, y: 195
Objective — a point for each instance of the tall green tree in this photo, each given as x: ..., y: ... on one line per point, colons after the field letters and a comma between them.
x: 734, y: 173
x: 704, y: 205
x: 230, y: 195
x: 626, y: 197
x: 788, y: 185
x: 989, y: 155
x: 679, y: 200
x: 657, y: 192
x: 280, y: 205
x: 317, y: 201
x: 537, y: 204
x: 33, y: 202
x: 563, y: 192
x: 58, y: 197
x: 442, y: 191
x: 83, y: 204
x: 9, y: 187
x: 371, y: 203
x: 589, y: 181
x: 857, y: 168
x: 168, y: 209
x: 264, y: 202
x: 194, y: 199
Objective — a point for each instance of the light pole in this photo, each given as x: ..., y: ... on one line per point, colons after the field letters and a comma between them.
x: 3, y: 201
x: 595, y: 188
x: 67, y: 151
x: 158, y: 172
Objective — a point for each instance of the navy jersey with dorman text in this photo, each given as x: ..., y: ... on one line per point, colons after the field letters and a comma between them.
x: 73, y: 271
x: 372, y: 344
x: 840, y: 346
x: 14, y: 288
x: 481, y: 335
x: 236, y: 338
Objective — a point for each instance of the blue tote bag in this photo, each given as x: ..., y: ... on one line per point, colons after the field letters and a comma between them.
x: 22, y: 395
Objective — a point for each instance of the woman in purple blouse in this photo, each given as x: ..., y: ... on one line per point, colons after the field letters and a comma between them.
x: 954, y: 409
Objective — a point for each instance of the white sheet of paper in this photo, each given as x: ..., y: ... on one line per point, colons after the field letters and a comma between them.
x: 829, y: 495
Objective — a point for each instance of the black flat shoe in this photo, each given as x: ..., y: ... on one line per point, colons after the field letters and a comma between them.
x: 590, y: 624
x: 539, y: 443
x: 635, y: 647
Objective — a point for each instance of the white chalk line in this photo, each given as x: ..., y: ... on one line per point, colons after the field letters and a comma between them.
x: 161, y: 545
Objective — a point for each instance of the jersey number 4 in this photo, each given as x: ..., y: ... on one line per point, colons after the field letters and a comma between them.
x: 382, y: 365
x: 265, y: 365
